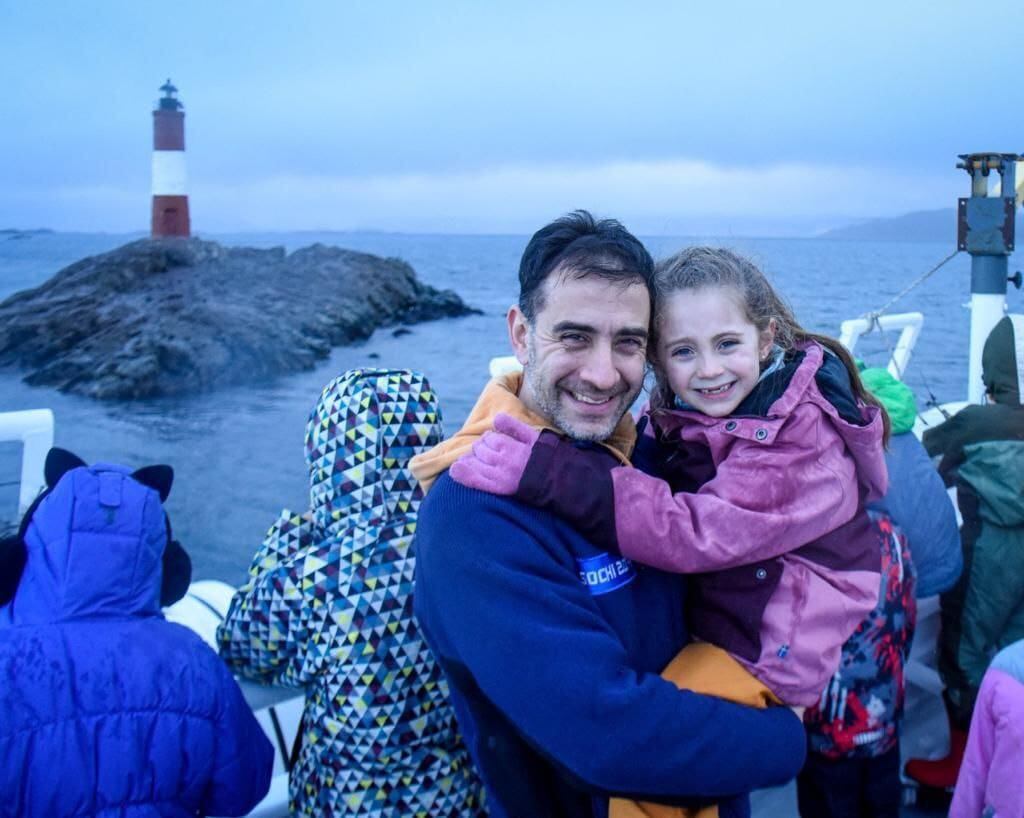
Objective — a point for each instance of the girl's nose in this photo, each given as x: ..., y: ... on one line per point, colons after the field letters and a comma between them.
x: 708, y: 366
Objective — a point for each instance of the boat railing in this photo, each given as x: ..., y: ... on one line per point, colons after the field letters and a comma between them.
x: 33, y: 428
x: 907, y: 323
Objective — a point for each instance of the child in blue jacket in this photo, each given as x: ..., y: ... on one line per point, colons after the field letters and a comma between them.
x: 107, y: 708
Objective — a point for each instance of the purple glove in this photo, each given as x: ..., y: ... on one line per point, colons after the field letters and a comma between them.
x: 498, y: 459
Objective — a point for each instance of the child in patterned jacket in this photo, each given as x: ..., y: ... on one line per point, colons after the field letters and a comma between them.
x: 328, y: 607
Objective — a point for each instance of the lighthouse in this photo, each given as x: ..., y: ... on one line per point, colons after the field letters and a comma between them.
x: 170, y: 199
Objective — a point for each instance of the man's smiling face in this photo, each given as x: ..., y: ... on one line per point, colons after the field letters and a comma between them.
x: 584, y: 355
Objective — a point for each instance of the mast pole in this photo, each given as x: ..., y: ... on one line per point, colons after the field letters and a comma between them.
x: 985, y: 229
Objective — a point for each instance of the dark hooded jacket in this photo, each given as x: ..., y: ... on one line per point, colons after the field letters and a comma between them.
x: 107, y: 709
x: 984, y: 611
x: 1002, y: 365
x: 982, y: 450
x: 328, y: 607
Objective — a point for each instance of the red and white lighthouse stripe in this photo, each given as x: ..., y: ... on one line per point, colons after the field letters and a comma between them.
x: 170, y: 199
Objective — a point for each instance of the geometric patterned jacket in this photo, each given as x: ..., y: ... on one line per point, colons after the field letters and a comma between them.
x: 328, y: 607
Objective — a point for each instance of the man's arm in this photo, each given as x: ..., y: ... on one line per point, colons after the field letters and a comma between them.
x: 512, y: 610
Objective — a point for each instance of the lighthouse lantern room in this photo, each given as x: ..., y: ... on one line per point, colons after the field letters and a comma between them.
x: 170, y: 198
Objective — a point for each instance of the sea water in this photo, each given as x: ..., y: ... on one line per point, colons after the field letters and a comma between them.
x: 238, y: 452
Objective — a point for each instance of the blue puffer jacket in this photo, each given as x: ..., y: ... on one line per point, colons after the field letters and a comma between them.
x: 918, y: 503
x: 107, y: 709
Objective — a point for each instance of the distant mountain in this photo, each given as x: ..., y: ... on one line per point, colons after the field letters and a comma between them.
x: 922, y: 225
x: 15, y: 233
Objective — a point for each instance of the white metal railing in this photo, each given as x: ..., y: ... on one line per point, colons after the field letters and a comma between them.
x: 33, y: 428
x: 909, y: 324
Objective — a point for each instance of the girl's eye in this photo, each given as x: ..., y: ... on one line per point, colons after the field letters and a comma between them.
x: 682, y: 352
x: 728, y: 343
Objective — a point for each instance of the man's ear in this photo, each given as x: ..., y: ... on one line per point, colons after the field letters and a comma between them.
x: 518, y: 333
x: 767, y: 339
x: 58, y: 463
x: 158, y: 478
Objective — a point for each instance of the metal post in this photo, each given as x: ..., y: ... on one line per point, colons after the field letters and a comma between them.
x: 985, y: 229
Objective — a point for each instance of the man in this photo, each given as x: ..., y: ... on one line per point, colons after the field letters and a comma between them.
x: 551, y: 646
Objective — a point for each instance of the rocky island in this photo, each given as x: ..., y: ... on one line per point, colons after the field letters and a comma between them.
x: 179, y: 316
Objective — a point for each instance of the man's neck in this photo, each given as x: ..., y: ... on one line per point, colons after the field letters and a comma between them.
x: 526, y: 397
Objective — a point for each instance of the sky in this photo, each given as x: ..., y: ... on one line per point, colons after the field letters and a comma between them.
x: 681, y: 118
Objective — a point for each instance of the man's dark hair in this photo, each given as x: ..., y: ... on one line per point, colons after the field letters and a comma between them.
x: 578, y: 245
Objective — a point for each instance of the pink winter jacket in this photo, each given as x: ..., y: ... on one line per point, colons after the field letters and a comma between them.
x: 991, y: 775
x: 787, y: 561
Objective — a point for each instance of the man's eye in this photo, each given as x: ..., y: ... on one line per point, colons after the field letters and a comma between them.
x: 632, y: 343
x: 573, y: 338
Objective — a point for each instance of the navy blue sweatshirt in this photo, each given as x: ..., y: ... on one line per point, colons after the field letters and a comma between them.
x: 552, y: 649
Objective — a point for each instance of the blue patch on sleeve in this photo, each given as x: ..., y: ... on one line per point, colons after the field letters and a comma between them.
x: 605, y: 572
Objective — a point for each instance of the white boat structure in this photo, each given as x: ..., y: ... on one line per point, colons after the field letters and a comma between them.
x: 986, y: 232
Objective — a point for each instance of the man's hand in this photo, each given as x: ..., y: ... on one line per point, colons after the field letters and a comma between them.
x: 498, y: 460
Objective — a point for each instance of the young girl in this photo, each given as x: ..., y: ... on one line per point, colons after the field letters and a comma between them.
x: 767, y: 447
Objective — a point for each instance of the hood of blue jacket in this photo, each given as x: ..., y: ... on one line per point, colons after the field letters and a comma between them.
x: 94, y: 549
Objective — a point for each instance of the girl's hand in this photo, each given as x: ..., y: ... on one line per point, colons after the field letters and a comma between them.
x: 498, y: 460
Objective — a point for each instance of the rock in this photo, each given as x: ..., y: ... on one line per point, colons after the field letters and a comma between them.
x: 179, y: 316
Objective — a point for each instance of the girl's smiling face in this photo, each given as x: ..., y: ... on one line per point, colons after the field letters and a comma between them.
x: 708, y: 350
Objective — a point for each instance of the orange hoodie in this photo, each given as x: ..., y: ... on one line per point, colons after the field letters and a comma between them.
x: 502, y: 395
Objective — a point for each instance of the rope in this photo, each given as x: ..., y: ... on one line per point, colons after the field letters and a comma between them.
x: 874, y: 316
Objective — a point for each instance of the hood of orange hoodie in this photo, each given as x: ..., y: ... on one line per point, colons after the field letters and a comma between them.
x: 502, y: 395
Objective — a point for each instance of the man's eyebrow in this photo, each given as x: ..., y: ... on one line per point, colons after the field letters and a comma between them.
x: 633, y: 332
x: 572, y: 326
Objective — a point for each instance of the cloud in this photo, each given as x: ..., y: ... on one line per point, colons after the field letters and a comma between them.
x: 674, y: 196
x: 671, y: 196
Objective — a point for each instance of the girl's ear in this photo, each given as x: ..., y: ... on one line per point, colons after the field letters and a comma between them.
x: 767, y: 339
x: 158, y: 478
x: 58, y: 463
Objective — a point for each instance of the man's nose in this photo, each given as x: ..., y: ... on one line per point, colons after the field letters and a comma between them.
x: 599, y: 370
